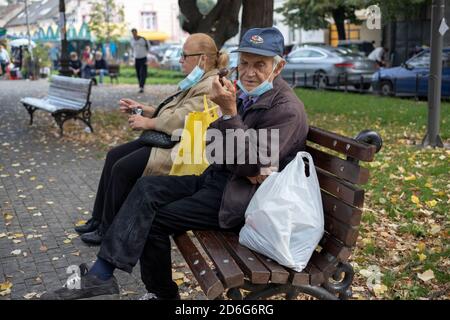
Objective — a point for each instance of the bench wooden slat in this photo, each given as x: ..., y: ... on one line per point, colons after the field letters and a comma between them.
x: 207, y: 279
x: 228, y: 270
x: 342, y: 144
x: 316, y: 277
x: 341, y: 211
x: 339, y: 167
x: 346, y: 234
x: 336, y: 248
x: 278, y: 274
x: 64, y: 94
x: 325, y: 262
x: 247, y: 261
x: 299, y: 278
x: 345, y: 191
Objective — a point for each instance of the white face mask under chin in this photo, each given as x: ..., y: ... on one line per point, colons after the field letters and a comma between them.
x: 260, y: 89
x: 192, y: 78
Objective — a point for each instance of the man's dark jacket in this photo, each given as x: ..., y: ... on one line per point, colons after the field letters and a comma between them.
x: 280, y: 109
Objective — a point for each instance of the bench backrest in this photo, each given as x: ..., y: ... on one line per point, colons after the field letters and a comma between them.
x: 69, y: 93
x: 342, y: 198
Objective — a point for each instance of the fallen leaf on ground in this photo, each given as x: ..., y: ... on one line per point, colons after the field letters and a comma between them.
x: 80, y: 223
x: 30, y: 295
x: 16, y: 252
x: 5, y: 285
x: 426, y: 276
x: 415, y: 199
x: 177, y: 275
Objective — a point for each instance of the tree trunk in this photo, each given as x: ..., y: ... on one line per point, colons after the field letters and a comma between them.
x: 256, y: 14
x: 339, y: 20
x: 221, y: 23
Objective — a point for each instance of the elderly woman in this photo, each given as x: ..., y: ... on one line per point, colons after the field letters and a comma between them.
x: 126, y: 163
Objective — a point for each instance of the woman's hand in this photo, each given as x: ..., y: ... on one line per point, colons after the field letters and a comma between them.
x: 138, y: 122
x: 126, y: 105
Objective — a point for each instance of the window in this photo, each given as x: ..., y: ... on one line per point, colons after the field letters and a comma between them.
x: 315, y: 54
x: 422, y: 60
x: 300, y: 54
x: 149, y: 21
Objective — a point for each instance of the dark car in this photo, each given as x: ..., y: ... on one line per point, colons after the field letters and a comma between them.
x: 411, y: 78
x: 363, y: 47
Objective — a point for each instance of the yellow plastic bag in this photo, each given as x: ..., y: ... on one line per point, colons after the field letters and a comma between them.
x: 191, y: 156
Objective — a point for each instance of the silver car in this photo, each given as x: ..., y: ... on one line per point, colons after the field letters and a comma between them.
x: 328, y: 66
x: 171, y: 59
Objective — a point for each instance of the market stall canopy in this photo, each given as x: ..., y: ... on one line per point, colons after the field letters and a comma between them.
x: 21, y: 42
x: 154, y: 35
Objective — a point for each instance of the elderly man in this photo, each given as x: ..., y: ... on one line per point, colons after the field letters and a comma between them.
x: 161, y: 206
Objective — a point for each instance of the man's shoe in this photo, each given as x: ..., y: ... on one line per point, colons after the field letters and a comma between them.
x: 94, y: 237
x: 152, y: 296
x: 89, y: 226
x: 141, y: 90
x: 83, y: 287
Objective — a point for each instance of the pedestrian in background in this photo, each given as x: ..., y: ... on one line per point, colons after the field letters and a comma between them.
x: 140, y: 48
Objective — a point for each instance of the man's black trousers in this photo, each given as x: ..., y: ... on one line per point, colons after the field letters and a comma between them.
x: 157, y: 207
x: 141, y: 71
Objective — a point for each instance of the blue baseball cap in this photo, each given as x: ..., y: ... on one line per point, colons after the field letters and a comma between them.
x: 267, y: 42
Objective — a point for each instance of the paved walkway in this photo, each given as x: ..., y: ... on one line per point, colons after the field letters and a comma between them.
x: 46, y: 186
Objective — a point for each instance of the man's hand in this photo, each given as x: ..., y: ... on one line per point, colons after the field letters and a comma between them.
x: 138, y: 122
x: 257, y: 180
x: 224, y: 96
x: 265, y: 172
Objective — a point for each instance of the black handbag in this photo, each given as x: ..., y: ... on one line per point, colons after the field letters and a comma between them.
x: 157, y: 139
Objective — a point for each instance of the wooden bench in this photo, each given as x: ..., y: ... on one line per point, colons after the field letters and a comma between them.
x: 114, y: 72
x: 67, y: 98
x: 228, y: 267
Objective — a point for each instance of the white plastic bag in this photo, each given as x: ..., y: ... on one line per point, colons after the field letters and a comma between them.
x: 284, y: 220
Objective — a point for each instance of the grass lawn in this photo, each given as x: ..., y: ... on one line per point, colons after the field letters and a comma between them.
x: 155, y: 76
x: 405, y: 223
x: 405, y: 228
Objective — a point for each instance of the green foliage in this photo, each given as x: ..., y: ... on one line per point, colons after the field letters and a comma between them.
x: 310, y: 15
x: 106, y: 20
x: 41, y: 59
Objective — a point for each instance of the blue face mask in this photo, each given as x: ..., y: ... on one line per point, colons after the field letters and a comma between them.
x: 192, y: 78
x: 259, y: 90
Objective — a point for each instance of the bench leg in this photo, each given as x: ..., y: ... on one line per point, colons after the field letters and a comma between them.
x: 60, y: 118
x: 342, y: 281
x: 30, y: 110
x: 86, y: 117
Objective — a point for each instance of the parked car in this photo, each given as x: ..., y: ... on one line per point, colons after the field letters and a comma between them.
x: 171, y: 59
x: 411, y: 78
x: 327, y: 66
x: 357, y: 46
x: 159, y: 50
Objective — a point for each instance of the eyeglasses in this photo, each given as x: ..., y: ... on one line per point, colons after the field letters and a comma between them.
x: 185, y: 55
